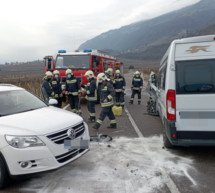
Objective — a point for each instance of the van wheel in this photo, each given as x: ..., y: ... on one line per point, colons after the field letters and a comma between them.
x: 166, y: 142
x: 4, y: 178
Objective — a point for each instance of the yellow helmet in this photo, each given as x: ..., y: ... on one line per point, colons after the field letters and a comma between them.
x: 102, y: 76
x: 109, y: 71
x: 89, y: 73
x: 48, y: 73
x: 117, y: 72
x: 56, y: 72
x: 69, y: 71
x: 137, y: 73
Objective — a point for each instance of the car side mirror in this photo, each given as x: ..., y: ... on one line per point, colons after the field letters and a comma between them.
x: 53, y: 102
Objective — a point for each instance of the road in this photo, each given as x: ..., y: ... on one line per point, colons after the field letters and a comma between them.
x: 135, y: 161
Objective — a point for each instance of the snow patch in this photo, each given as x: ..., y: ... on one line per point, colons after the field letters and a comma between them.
x: 125, y: 165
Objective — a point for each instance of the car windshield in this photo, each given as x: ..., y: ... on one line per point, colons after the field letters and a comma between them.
x: 18, y: 101
x: 73, y: 62
x: 195, y: 77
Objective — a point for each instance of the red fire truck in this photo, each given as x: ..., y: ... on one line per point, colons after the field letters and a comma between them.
x: 81, y: 61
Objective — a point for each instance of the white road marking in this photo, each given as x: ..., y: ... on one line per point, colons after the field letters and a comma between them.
x: 169, y: 182
x: 133, y: 123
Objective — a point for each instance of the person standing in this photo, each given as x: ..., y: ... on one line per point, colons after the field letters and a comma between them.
x: 106, y: 100
x: 119, y: 85
x: 136, y: 87
x: 109, y: 74
x: 73, y: 91
x: 56, y: 85
x: 91, y: 95
x: 46, y: 87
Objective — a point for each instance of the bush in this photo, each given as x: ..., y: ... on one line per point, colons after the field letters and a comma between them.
x: 131, y: 67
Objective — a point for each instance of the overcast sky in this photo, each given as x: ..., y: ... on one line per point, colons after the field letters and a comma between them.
x: 31, y: 29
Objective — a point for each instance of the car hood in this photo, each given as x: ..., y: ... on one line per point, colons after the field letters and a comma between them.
x: 38, y: 122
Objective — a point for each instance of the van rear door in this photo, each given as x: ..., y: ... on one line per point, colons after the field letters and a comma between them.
x: 195, y: 97
x: 195, y: 91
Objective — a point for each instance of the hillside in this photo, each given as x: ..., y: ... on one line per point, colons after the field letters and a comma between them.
x: 149, y: 39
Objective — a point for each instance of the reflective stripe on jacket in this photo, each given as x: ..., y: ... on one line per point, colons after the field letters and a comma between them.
x: 119, y: 83
x: 91, y: 92
x: 72, y: 86
x: 137, y: 83
x: 107, y: 92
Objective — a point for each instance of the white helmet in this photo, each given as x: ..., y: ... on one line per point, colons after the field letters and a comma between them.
x: 89, y: 73
x: 69, y: 71
x: 117, y: 72
x: 137, y: 73
x: 102, y: 76
x: 56, y: 72
x: 48, y: 73
x: 109, y: 71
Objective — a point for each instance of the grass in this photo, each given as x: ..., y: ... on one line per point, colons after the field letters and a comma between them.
x: 29, y: 82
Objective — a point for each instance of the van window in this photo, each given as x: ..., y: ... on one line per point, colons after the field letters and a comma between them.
x: 195, y: 77
x: 162, y: 78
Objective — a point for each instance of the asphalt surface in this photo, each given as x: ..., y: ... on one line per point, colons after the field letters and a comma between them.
x: 183, y: 169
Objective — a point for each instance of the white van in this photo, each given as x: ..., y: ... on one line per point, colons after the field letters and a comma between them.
x: 186, y: 92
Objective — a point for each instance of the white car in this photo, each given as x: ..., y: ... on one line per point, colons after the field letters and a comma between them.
x: 33, y: 134
x: 186, y: 92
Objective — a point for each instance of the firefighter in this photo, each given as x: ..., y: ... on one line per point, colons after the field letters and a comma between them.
x: 106, y: 100
x: 136, y: 87
x: 73, y: 91
x: 119, y: 85
x: 47, y: 89
x: 109, y: 73
x: 91, y: 95
x: 56, y: 86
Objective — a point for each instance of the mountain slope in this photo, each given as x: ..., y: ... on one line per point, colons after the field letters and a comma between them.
x: 158, y: 31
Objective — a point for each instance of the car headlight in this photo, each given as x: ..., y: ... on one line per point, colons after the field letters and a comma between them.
x: 23, y: 141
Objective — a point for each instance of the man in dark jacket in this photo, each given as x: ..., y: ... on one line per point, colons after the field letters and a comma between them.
x: 136, y: 87
x: 73, y: 91
x: 91, y: 95
x: 106, y: 100
x: 119, y: 85
x: 46, y: 87
x: 56, y: 85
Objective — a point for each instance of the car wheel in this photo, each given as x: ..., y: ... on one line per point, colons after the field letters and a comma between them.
x: 3, y: 174
x: 166, y: 142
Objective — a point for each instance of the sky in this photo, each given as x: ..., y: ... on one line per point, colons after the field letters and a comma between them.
x: 32, y: 29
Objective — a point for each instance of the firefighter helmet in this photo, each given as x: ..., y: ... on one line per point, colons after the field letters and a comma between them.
x: 109, y: 71
x: 102, y: 76
x: 117, y: 71
x: 89, y: 73
x: 48, y: 73
x: 69, y: 71
x: 137, y: 73
x: 56, y: 72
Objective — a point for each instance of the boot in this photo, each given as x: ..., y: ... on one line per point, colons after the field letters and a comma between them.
x: 112, y: 127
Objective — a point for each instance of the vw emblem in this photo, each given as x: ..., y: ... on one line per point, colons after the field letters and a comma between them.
x: 71, y: 133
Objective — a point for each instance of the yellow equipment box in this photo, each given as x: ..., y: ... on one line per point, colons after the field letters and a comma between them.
x: 117, y: 111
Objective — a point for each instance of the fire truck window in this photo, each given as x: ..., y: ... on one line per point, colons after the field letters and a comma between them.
x: 105, y: 67
x: 49, y: 63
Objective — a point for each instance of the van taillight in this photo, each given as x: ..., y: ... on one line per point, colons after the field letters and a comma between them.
x: 170, y: 105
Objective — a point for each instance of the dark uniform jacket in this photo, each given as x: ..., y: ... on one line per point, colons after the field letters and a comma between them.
x: 56, y: 86
x: 107, y: 92
x: 48, y: 87
x: 119, y: 83
x: 91, y: 90
x: 137, y: 83
x: 72, y: 86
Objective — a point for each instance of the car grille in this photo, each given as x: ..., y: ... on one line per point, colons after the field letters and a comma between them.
x: 69, y: 155
x: 60, y: 136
